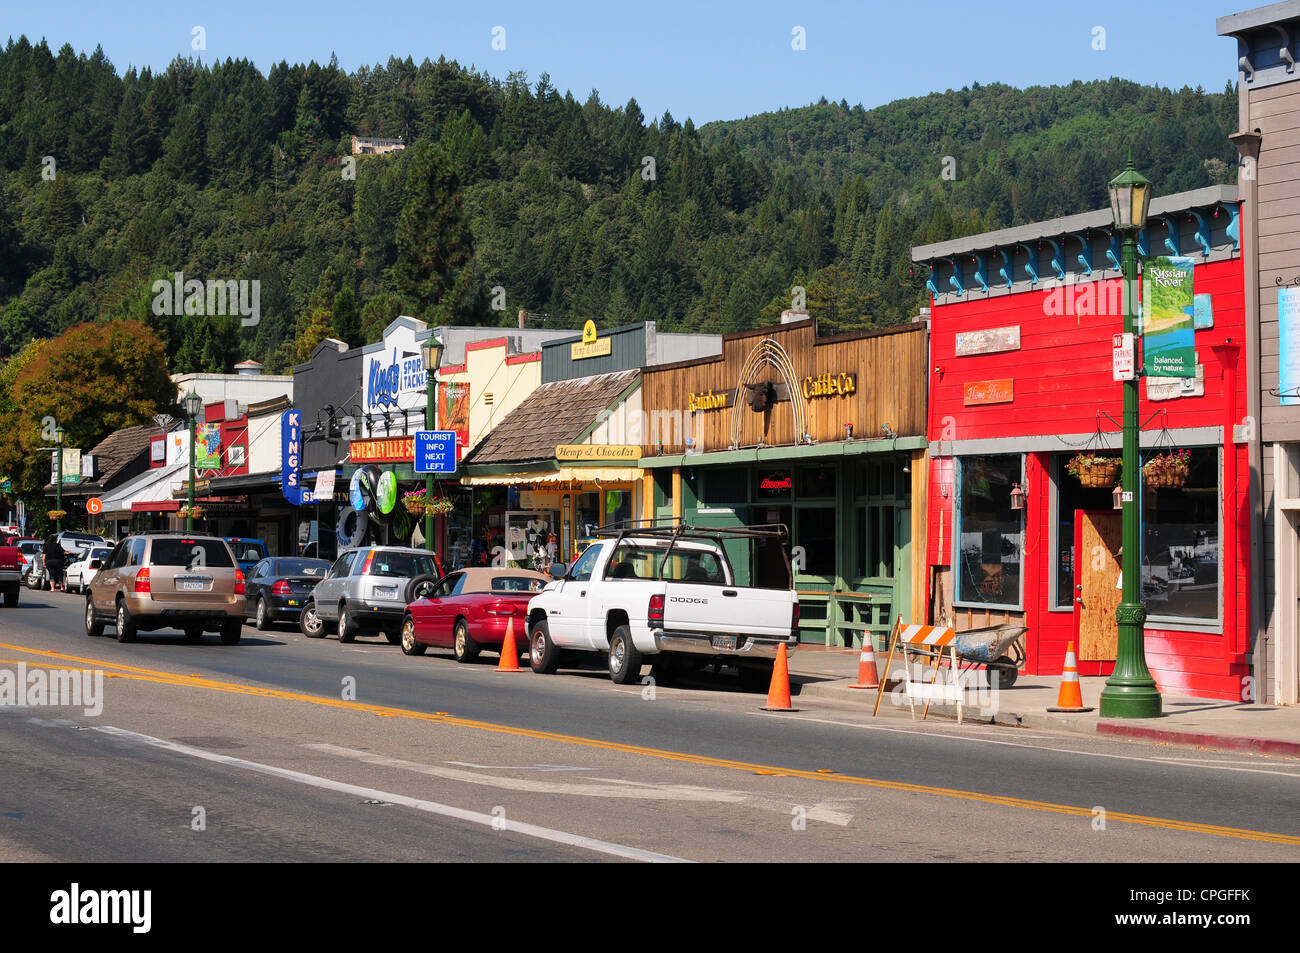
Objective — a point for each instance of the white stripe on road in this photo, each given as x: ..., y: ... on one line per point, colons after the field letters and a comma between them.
x: 432, y: 807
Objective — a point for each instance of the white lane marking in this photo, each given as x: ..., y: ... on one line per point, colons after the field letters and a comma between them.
x: 605, y: 787
x: 432, y: 807
x: 519, y: 767
x: 1184, y: 763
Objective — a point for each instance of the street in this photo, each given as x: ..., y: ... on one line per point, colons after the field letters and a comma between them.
x: 284, y: 748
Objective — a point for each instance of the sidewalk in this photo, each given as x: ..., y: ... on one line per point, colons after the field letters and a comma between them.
x: 827, y: 673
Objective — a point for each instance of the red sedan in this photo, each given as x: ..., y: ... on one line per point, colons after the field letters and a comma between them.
x: 469, y: 610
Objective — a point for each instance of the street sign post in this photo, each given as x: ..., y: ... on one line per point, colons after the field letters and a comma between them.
x: 435, y: 451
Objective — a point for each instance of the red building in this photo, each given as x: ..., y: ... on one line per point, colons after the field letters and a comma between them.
x: 1021, y: 381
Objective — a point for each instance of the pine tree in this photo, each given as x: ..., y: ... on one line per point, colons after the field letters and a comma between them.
x: 433, y: 239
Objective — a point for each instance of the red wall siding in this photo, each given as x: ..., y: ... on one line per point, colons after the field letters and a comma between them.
x: 1062, y: 378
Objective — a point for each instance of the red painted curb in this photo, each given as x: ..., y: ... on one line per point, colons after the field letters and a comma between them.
x: 1227, y: 742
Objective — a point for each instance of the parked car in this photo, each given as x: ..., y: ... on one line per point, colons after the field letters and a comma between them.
x: 168, y: 580
x: 671, y: 596
x: 367, y: 590
x: 248, y: 552
x: 33, y: 564
x: 279, y: 586
x: 10, y: 574
x: 81, y: 571
x: 469, y: 611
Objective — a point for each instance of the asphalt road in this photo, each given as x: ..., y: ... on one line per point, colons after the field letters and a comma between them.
x: 296, y: 749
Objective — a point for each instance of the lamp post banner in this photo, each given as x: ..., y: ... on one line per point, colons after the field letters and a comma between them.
x: 1168, y: 318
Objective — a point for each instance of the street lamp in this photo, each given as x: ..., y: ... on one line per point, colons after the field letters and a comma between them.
x: 58, y: 480
x: 193, y: 404
x: 1130, y: 691
x: 431, y: 351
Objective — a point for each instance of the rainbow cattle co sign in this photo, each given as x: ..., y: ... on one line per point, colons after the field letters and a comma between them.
x: 706, y: 401
x: 585, y: 451
x: 988, y: 392
x: 830, y: 385
x: 383, y: 450
x: 591, y: 345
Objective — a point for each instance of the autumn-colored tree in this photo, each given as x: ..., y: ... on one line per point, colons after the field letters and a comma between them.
x: 92, y: 380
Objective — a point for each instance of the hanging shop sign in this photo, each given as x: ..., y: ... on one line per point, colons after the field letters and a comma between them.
x: 585, y: 451
x: 207, y: 446
x: 361, y: 491
x: 324, y: 485
x: 383, y: 449
x: 291, y: 458
x: 830, y: 385
x: 1168, y: 317
x: 707, y: 401
x: 988, y: 392
x: 386, y: 492
x: 591, y: 345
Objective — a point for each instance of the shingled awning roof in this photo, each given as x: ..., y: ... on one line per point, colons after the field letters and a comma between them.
x: 553, y: 414
x: 113, y: 454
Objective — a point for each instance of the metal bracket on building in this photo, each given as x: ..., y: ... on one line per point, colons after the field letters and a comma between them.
x: 1293, y: 392
x: 1031, y: 264
x: 1202, y: 233
x: 1233, y: 230
x: 1280, y: 281
x: 1008, y: 269
x: 1172, y: 240
x: 1085, y: 254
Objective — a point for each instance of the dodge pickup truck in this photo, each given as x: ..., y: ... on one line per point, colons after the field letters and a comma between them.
x: 10, y: 574
x: 677, y: 596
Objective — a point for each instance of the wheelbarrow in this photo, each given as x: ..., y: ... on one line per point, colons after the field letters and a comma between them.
x: 986, y: 647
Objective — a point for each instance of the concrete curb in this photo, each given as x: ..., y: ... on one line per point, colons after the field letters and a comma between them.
x: 836, y: 690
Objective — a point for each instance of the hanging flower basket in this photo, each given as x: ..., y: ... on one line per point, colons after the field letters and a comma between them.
x: 440, y: 505
x: 415, y: 502
x: 185, y: 512
x: 1167, y: 470
x: 1094, y: 470
x: 56, y: 514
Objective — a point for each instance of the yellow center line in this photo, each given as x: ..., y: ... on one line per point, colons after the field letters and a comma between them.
x: 136, y: 673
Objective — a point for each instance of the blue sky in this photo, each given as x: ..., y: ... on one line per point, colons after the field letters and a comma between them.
x: 702, y: 60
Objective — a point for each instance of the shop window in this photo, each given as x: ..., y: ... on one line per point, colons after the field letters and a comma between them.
x: 990, y: 534
x: 618, y: 507
x: 875, y: 550
x: 815, y: 537
x: 1180, y: 543
x: 1072, y: 495
x: 817, y: 481
x: 724, y: 485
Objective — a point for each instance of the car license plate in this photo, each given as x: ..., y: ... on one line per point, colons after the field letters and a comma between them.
x: 192, y: 585
x: 724, y: 642
x: 293, y: 602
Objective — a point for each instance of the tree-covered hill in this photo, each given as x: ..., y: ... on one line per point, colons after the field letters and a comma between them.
x: 575, y: 208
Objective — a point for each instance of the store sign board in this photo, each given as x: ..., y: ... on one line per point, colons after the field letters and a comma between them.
x: 830, y: 385
x: 598, y: 348
x: 324, y: 485
x: 584, y: 451
x: 708, y: 400
x: 988, y: 392
x: 291, y: 458
x: 988, y: 341
x: 382, y: 449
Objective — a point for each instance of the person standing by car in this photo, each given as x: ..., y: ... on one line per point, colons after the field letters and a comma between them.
x: 55, y: 562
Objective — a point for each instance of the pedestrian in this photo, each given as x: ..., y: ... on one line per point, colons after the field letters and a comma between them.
x: 55, y: 561
x: 551, y: 548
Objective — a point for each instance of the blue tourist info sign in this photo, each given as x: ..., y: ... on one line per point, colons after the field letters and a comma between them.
x: 435, y: 451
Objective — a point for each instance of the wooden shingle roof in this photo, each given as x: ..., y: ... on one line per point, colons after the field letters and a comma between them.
x: 553, y: 414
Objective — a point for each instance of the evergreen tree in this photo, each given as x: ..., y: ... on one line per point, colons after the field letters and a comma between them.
x: 433, y: 238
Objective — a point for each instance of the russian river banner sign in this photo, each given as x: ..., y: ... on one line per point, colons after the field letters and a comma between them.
x: 1168, y: 349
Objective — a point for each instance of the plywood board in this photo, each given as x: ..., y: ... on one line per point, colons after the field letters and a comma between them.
x: 1098, y: 537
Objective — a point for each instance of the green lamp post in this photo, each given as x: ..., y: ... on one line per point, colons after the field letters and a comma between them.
x: 193, y: 404
x: 58, y: 479
x: 1130, y: 691
x: 431, y: 351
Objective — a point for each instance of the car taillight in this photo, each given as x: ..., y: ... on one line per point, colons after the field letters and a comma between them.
x: 794, y: 617
x: 281, y: 588
x: 142, y: 580
x: 239, y: 582
x: 655, y: 613
x: 499, y: 608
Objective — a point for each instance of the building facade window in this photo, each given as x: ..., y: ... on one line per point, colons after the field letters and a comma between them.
x: 990, y: 535
x: 1071, y: 495
x: 1180, y: 543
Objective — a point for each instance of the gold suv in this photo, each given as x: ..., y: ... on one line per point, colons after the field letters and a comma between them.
x: 168, y: 581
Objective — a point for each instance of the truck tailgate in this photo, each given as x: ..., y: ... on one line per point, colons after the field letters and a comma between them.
x: 728, y: 610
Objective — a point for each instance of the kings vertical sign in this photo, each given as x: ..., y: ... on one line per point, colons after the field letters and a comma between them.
x: 291, y: 458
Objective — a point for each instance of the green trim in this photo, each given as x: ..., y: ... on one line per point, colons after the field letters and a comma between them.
x: 839, y: 448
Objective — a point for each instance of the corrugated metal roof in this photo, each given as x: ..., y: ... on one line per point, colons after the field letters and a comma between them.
x: 553, y: 414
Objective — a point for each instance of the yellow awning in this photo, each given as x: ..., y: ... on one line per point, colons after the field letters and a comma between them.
x: 563, y: 475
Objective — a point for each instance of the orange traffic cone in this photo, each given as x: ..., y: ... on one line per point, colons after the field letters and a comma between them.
x: 509, y: 651
x: 1070, y: 697
x: 868, y: 677
x: 778, y: 693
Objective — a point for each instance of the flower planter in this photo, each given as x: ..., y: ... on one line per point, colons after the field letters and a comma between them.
x: 414, y: 508
x: 1100, y: 472
x: 1169, y: 477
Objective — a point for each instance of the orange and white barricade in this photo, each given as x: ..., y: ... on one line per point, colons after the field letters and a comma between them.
x: 928, y: 643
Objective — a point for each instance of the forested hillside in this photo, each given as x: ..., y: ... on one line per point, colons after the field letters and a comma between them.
x: 576, y: 208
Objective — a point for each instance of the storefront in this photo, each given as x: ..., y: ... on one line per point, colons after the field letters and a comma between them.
x: 1024, y: 521
x: 824, y: 436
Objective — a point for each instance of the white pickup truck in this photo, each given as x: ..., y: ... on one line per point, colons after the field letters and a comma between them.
x: 678, y: 597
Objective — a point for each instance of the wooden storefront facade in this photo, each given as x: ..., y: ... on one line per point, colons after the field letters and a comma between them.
x: 824, y: 435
